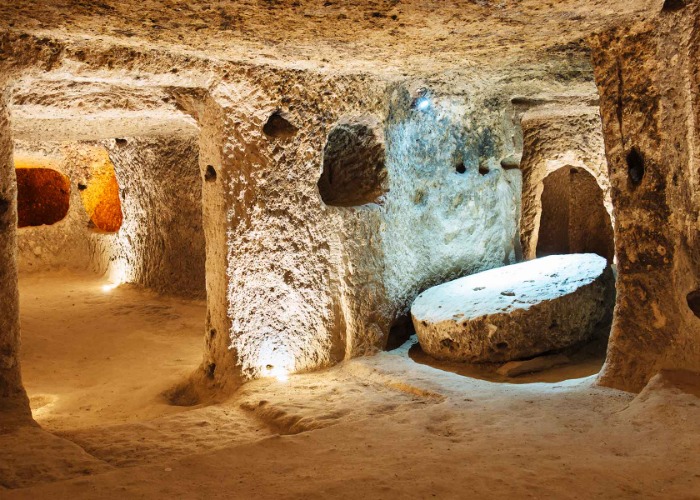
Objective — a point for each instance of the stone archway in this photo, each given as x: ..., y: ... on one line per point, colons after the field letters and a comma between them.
x: 573, y: 217
x: 43, y: 196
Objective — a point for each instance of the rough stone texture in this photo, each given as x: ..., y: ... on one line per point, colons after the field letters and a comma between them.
x: 573, y: 217
x: 564, y: 134
x: 20, y: 470
x: 325, y: 283
x: 42, y: 196
x: 590, y: 227
x: 13, y: 400
x: 340, y: 271
x: 648, y: 79
x: 62, y: 110
x: 291, y: 282
x: 161, y: 242
x: 282, y: 305
x: 354, y: 172
x: 381, y: 36
x: 69, y: 243
x: 516, y: 312
x: 451, y: 209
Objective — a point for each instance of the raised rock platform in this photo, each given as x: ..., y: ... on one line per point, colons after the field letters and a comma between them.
x: 517, y: 311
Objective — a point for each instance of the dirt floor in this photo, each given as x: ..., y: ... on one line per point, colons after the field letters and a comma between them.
x: 97, y: 354
x: 96, y: 361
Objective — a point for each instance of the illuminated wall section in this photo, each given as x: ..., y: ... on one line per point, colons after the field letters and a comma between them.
x: 100, y: 196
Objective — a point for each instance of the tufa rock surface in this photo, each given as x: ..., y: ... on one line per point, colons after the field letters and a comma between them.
x: 538, y: 364
x: 648, y: 79
x: 515, y: 312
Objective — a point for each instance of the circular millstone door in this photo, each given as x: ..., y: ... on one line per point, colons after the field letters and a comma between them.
x: 516, y: 312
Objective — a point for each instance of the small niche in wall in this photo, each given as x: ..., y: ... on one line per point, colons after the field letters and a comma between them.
x: 400, y: 331
x: 278, y: 127
x: 43, y: 196
x: 100, y: 196
x: 354, y: 172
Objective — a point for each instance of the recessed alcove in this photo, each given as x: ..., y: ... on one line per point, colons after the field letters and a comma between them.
x: 43, y: 196
x: 354, y: 171
x: 693, y: 300
x: 279, y: 127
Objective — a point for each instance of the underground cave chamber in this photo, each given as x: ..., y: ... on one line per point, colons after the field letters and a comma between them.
x: 455, y: 241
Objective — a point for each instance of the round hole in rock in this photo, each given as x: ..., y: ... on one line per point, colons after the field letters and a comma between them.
x: 210, y: 174
x: 101, y: 195
x: 460, y: 168
x: 483, y: 170
x: 43, y: 196
x: 278, y: 127
x: 353, y: 167
x: 635, y: 166
x: 693, y: 299
x: 574, y: 218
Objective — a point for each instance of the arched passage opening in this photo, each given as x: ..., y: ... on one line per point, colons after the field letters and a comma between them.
x: 570, y: 218
x: 573, y: 217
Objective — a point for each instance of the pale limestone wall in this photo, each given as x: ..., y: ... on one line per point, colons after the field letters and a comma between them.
x: 283, y: 248
x: 160, y: 244
x: 648, y: 81
x: 292, y: 283
x: 451, y: 209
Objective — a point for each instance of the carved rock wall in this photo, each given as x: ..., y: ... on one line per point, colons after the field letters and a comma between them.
x: 648, y: 76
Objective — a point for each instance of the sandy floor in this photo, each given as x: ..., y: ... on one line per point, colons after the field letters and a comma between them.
x: 95, y: 355
x: 379, y: 427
